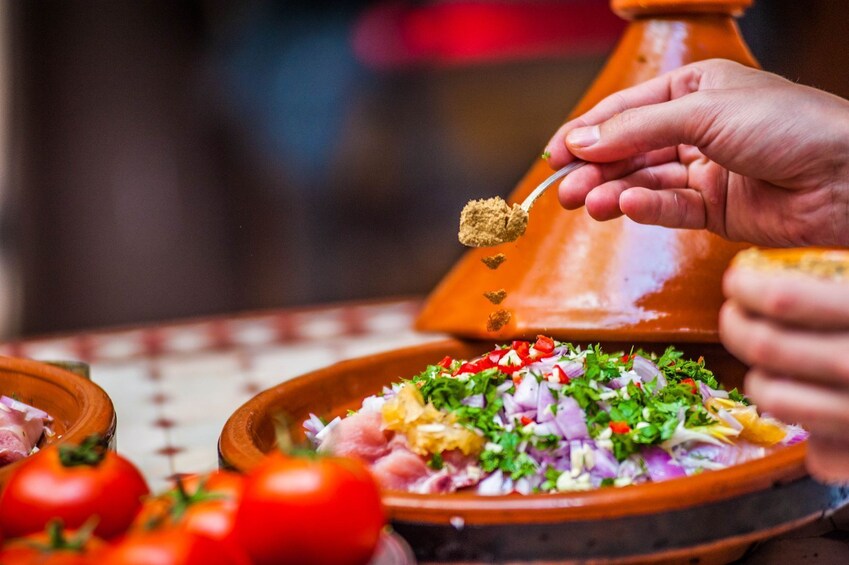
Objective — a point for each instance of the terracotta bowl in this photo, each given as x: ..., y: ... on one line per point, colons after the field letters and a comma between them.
x: 78, y: 406
x: 712, y: 517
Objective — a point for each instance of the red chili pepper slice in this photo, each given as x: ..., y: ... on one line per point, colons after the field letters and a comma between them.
x: 544, y: 345
x: 620, y: 427
x: 525, y: 420
x: 495, y: 356
x: 481, y: 364
x: 692, y: 383
x: 561, y: 375
x: 522, y: 348
x: 446, y: 362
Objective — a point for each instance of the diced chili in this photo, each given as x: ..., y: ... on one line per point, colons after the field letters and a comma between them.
x: 561, y: 375
x: 620, y: 427
x: 544, y: 345
x: 446, y: 362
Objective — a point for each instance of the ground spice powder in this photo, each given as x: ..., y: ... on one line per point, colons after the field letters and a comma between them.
x: 491, y: 221
x: 496, y: 296
x: 494, y: 261
x: 498, y: 320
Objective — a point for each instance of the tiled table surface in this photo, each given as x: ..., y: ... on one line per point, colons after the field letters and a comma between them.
x: 174, y: 386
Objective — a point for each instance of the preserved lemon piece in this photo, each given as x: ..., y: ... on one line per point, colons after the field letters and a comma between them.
x: 427, y: 429
x: 757, y: 429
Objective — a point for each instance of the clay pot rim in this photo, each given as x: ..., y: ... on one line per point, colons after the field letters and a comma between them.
x: 95, y: 412
x: 238, y: 450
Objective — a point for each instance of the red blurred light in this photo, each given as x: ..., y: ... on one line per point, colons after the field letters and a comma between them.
x: 397, y: 34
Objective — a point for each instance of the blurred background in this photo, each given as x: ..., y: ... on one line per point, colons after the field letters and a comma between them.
x: 164, y: 159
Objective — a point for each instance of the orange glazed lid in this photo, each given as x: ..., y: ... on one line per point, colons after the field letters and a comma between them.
x: 633, y: 8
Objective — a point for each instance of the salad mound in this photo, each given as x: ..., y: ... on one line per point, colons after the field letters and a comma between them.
x: 548, y: 416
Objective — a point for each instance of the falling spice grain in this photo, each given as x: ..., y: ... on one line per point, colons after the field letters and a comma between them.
x: 497, y: 320
x: 496, y: 296
x: 491, y: 221
x: 494, y: 261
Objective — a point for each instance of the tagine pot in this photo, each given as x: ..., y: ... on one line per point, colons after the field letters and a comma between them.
x: 578, y: 279
x: 713, y: 517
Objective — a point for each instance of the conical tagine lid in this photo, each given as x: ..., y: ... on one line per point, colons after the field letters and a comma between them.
x: 575, y: 278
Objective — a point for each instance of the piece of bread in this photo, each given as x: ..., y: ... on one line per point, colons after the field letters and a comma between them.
x: 821, y: 262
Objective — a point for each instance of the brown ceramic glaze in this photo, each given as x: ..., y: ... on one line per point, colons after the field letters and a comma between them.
x: 78, y: 406
x: 575, y: 278
x: 716, y: 515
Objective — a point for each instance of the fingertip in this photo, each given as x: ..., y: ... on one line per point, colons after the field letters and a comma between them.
x: 602, y: 205
x: 730, y: 281
x: 567, y: 198
x: 556, y: 153
x: 638, y: 204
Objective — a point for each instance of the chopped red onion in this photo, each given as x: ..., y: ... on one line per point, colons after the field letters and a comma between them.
x: 544, y: 402
x: 31, y: 412
x: 493, y: 485
x: 660, y: 465
x: 474, y: 401
x: 571, y: 419
x: 527, y: 392
x: 648, y: 371
x: 572, y: 369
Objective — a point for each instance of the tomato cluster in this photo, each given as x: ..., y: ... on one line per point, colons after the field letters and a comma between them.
x: 86, y: 504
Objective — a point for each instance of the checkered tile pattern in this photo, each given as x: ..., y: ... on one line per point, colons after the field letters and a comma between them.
x: 175, y: 385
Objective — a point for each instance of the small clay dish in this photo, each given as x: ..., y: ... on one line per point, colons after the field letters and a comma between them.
x: 78, y: 407
x: 713, y: 517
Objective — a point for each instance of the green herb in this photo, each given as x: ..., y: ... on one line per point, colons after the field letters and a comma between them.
x: 435, y: 462
x: 551, y: 476
x: 546, y: 155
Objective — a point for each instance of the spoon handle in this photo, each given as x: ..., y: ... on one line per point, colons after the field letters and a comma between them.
x: 532, y: 197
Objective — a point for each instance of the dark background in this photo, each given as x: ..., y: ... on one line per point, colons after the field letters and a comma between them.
x: 170, y: 159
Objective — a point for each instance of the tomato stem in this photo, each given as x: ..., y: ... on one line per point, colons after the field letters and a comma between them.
x: 89, y: 453
x: 58, y: 541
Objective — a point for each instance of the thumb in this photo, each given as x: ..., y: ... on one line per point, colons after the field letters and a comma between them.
x: 636, y: 131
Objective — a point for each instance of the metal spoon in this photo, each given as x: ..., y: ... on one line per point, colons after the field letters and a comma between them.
x: 532, y: 197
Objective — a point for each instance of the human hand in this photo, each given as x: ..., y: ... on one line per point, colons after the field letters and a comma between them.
x: 792, y: 329
x: 743, y: 153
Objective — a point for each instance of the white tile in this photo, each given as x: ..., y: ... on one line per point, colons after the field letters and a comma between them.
x: 254, y: 332
x: 195, y: 337
x: 130, y: 389
x: 206, y: 365
x: 195, y: 461
x: 387, y: 318
x: 139, y: 443
x: 118, y: 345
x: 51, y: 350
x: 278, y: 364
x: 360, y: 346
x: 198, y: 435
x: 320, y: 325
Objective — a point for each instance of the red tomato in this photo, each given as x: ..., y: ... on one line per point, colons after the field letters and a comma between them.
x: 203, y: 504
x: 171, y: 546
x: 72, y: 484
x: 53, y: 547
x: 297, y: 510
